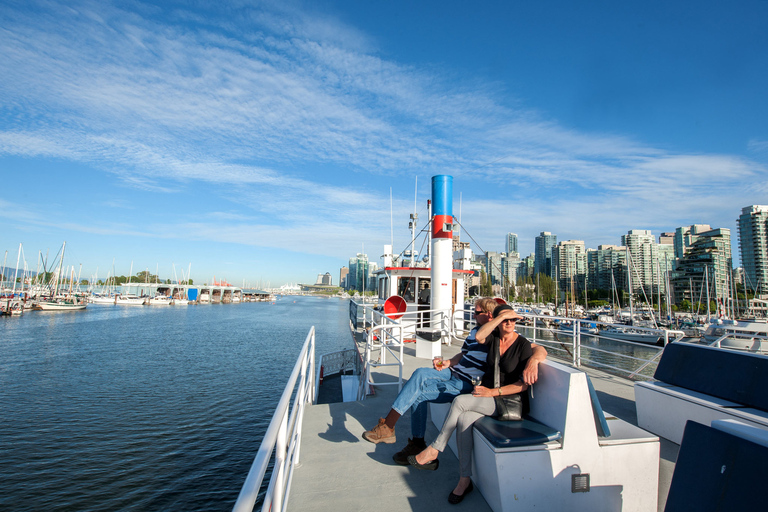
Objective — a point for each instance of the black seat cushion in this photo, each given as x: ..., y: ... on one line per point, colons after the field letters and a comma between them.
x: 507, y: 434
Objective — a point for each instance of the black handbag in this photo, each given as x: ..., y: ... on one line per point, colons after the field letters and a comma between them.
x: 508, y: 407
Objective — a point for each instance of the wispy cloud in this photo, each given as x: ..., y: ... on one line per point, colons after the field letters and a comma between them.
x: 251, y: 105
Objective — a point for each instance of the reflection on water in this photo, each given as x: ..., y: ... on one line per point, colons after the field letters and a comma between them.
x: 146, y: 408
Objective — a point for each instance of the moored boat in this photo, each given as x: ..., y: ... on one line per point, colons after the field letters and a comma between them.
x: 65, y: 304
x: 747, y: 335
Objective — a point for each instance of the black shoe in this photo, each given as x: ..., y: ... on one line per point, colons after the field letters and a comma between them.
x: 455, y: 499
x: 414, y: 447
x: 429, y: 466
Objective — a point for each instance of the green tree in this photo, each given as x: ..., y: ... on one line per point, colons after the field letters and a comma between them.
x: 486, y: 290
x: 546, y: 288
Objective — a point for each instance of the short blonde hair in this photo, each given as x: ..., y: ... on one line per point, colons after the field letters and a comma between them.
x: 487, y: 305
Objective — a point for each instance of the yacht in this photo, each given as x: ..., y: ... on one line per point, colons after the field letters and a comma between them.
x: 749, y: 335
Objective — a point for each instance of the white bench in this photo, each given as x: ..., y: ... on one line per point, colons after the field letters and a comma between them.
x: 702, y: 384
x: 622, y: 468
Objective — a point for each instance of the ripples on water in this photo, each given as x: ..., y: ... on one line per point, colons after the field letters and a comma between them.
x: 146, y: 408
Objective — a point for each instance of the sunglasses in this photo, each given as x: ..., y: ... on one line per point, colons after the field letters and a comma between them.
x: 513, y: 320
x: 478, y: 312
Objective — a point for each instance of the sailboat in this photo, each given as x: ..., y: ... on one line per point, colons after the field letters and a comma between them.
x: 631, y: 333
x: 68, y: 302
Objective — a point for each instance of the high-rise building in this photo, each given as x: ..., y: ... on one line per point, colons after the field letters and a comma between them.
x: 686, y: 235
x: 359, y: 273
x: 510, y: 264
x: 608, y: 268
x: 753, y: 242
x: 667, y: 239
x: 511, y: 245
x: 707, y: 262
x: 544, y: 243
x: 343, y: 273
x: 493, y: 267
x: 527, y: 266
x: 569, y: 264
x: 647, y: 261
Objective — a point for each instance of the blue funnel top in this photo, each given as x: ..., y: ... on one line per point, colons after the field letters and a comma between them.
x: 442, y: 195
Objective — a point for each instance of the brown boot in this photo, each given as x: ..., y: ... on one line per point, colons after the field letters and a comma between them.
x: 414, y: 447
x: 381, y: 433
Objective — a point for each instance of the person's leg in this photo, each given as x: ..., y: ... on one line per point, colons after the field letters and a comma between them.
x: 440, y: 392
x: 422, y: 378
x: 481, y: 406
x: 461, y: 406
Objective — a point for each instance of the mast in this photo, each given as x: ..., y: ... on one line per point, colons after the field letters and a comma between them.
x: 58, y: 275
x: 706, y: 280
x: 15, y: 274
x: 629, y: 284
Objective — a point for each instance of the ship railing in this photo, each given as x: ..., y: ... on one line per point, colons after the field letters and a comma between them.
x: 582, y: 347
x: 340, y: 362
x: 283, y: 438
x: 385, y: 339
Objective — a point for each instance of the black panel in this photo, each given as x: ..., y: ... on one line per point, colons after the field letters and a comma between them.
x: 717, y: 471
x: 735, y: 376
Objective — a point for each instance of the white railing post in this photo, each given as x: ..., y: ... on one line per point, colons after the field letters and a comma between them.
x: 577, y: 343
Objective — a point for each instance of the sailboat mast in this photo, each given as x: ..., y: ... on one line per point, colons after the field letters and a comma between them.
x: 61, y: 263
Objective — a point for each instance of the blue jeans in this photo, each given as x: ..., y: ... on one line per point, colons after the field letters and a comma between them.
x: 428, y: 385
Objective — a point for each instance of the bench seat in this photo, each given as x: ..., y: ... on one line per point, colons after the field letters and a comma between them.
x: 702, y: 384
x: 535, y: 464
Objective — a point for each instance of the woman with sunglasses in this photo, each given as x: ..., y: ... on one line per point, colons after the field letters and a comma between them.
x: 518, y: 363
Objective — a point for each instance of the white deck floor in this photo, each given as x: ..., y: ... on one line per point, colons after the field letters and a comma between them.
x: 340, y: 471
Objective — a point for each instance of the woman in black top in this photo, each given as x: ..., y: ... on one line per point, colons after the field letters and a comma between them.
x: 518, y: 368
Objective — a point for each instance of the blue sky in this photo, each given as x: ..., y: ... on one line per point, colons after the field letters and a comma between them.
x: 259, y: 141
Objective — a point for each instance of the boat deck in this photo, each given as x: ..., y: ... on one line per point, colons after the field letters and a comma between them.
x: 340, y: 470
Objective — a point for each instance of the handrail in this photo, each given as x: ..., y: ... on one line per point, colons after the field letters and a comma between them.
x: 283, y: 436
x: 385, y: 333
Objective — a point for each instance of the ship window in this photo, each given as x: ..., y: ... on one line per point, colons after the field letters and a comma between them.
x: 406, y: 288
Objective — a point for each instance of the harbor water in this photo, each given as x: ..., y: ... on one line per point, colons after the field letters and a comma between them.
x: 146, y: 408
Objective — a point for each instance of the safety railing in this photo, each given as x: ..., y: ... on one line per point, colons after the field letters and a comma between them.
x: 341, y: 361
x: 610, y: 347
x: 283, y: 438
x: 385, y: 338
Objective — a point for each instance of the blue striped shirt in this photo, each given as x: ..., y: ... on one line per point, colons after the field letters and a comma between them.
x: 473, y: 361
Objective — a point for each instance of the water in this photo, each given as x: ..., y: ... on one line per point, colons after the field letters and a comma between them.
x: 146, y: 408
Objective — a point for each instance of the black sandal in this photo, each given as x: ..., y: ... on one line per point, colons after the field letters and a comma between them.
x: 429, y: 466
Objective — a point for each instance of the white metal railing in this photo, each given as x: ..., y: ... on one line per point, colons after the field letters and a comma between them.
x: 338, y: 362
x: 569, y: 344
x: 386, y: 335
x: 283, y: 437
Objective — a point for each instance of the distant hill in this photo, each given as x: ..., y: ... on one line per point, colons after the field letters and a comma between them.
x: 9, y: 272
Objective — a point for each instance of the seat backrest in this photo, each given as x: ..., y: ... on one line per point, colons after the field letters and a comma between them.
x: 735, y: 376
x: 717, y: 470
x: 597, y: 411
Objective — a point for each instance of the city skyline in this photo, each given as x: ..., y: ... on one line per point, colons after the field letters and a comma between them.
x: 269, y: 142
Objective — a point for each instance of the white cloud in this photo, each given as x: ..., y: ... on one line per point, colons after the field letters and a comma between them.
x: 249, y: 106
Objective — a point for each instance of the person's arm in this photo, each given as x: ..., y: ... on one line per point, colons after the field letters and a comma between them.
x: 447, y: 363
x: 509, y: 389
x: 531, y: 371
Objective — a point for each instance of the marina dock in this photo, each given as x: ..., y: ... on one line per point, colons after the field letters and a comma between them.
x: 340, y: 469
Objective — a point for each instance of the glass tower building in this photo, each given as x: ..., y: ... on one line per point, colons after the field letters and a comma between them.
x: 753, y: 242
